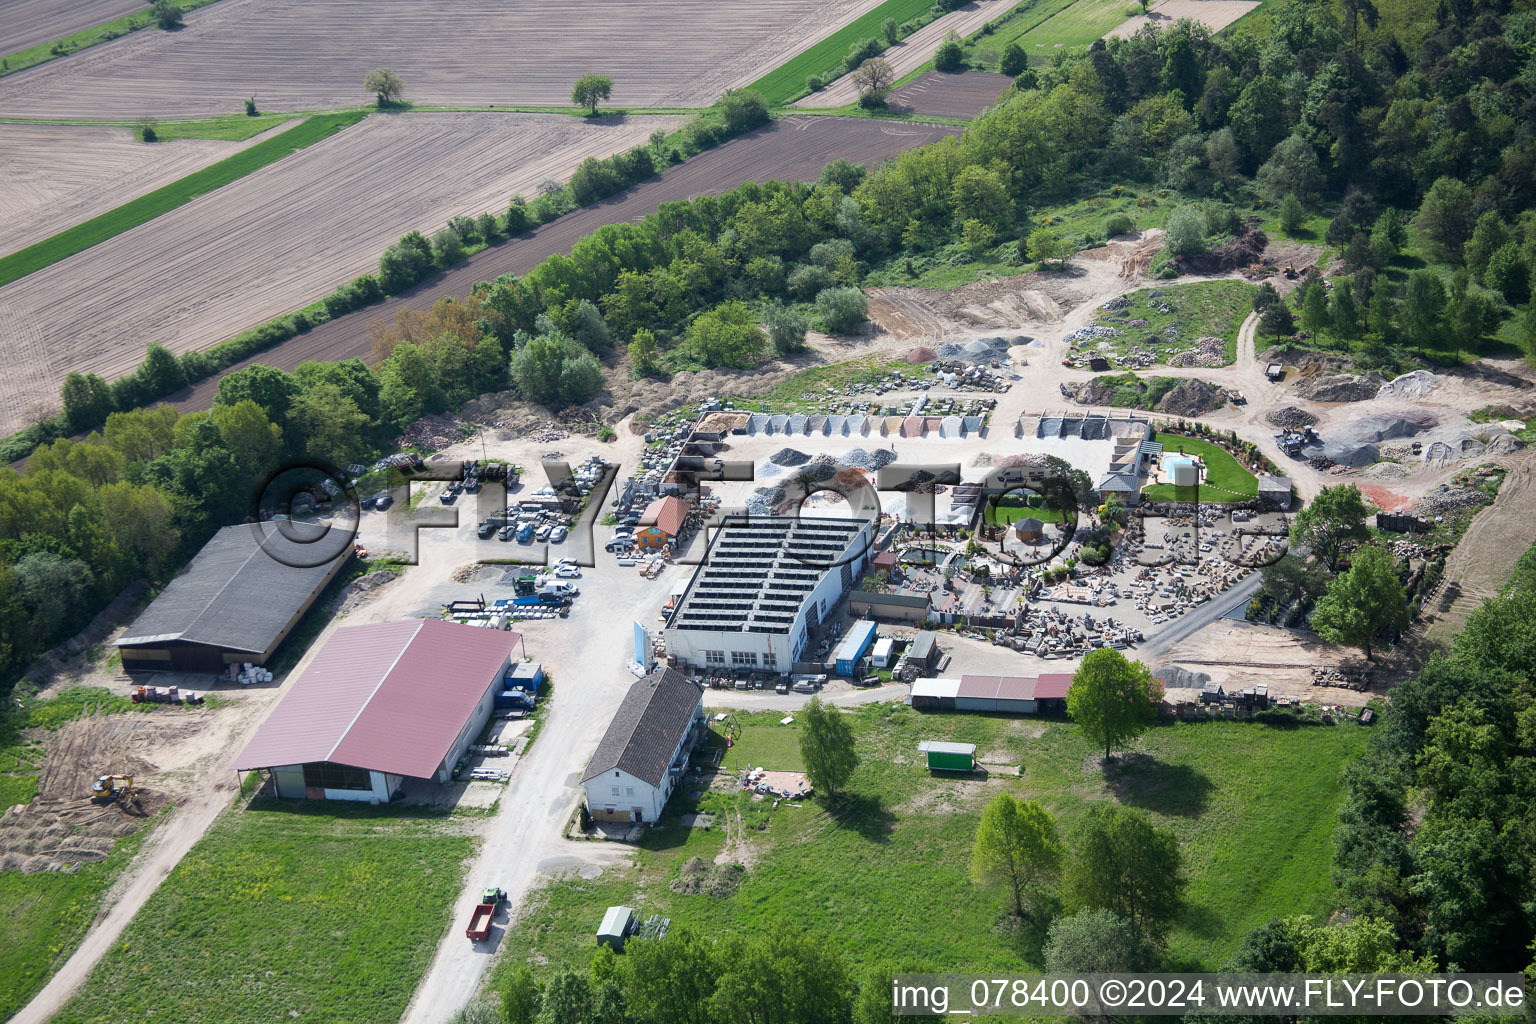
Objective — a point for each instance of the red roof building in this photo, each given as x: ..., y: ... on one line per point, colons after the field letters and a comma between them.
x: 661, y: 522
x: 381, y: 703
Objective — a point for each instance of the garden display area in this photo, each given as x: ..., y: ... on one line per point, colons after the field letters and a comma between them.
x: 883, y: 874
x: 1225, y: 477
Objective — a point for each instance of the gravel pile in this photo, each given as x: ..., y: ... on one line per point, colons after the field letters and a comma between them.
x: 1450, y: 499
x: 1093, y: 331
x: 789, y: 457
x: 861, y: 459
x: 1177, y: 677
x: 1410, y: 386
x: 767, y: 470
x: 1192, y: 398
x: 1385, y: 427
x: 1341, y: 387
x: 1385, y: 471
x: 981, y: 350
x: 822, y: 467
x: 1208, y: 351
x: 547, y: 433
x: 1290, y: 416
x: 1119, y: 302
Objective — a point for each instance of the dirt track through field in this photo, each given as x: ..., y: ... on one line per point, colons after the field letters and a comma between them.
x: 279, y: 238
x: 915, y: 50
x: 314, y: 54
x: 792, y: 148
x: 30, y: 22
x: 57, y: 176
x: 1213, y: 14
x: 943, y: 95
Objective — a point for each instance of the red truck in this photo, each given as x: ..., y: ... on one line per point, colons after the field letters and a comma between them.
x: 480, y: 921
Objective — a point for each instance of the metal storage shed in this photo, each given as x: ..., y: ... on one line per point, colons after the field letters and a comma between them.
x: 949, y: 757
x: 996, y: 693
x: 924, y: 648
x: 616, y: 926
x: 852, y: 649
x: 935, y: 694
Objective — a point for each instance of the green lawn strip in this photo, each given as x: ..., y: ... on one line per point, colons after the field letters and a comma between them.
x: 163, y: 200
x: 1251, y: 803
x: 235, y: 128
x: 1024, y: 19
x: 772, y: 746
x: 1011, y: 508
x: 320, y: 912
x: 43, y: 917
x: 787, y: 82
x: 790, y: 396
x: 1075, y: 26
x: 1224, y: 475
x: 42, y: 53
x: 1200, y: 310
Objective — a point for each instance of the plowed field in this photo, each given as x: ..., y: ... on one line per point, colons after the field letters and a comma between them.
x: 944, y: 95
x: 59, y: 175
x: 1213, y: 14
x: 278, y: 239
x: 792, y: 148
x: 311, y: 54
x: 30, y: 22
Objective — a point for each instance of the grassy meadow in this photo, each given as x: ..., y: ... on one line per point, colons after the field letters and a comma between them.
x: 286, y: 912
x: 1252, y: 804
x: 1203, y: 309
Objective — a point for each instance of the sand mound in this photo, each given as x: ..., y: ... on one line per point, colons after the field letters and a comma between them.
x: 921, y: 354
x: 1410, y: 385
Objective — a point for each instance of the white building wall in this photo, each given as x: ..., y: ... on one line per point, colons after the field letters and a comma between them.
x: 474, y: 724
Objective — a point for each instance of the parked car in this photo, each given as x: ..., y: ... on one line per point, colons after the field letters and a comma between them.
x: 382, y: 500
x: 566, y: 561
x: 486, y: 529
x: 620, y: 544
x: 557, y: 535
x: 542, y: 533
x: 568, y: 572
x: 505, y: 533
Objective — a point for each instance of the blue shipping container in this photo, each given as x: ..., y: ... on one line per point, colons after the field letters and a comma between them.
x: 852, y: 649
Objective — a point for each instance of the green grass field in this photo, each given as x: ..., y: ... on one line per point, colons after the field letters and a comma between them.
x: 1225, y: 477
x: 43, y: 916
x: 235, y: 128
x: 1204, y: 309
x: 787, y: 81
x: 105, y: 32
x: 1011, y: 507
x: 286, y: 912
x: 760, y: 745
x: 1074, y: 26
x: 790, y: 396
x: 1023, y: 20
x: 1253, y: 805
x: 163, y: 200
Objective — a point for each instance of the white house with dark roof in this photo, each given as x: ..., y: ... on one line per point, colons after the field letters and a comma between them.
x: 645, y: 750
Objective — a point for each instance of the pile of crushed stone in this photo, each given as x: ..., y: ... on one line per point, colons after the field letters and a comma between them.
x: 789, y: 457
x: 1341, y: 387
x: 1290, y: 416
x: 1410, y: 386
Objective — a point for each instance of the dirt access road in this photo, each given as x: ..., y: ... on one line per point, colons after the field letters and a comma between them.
x: 789, y: 149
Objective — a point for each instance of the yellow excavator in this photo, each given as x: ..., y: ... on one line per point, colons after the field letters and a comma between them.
x: 108, y: 788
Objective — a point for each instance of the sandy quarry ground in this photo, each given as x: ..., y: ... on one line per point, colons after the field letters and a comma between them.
x: 279, y: 238
x: 1213, y: 14
x: 915, y: 50
x: 1242, y: 654
x: 467, y: 52
x: 30, y: 22
x: 57, y: 176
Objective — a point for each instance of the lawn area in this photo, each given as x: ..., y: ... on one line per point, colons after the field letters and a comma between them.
x: 787, y: 81
x: 1252, y: 804
x: 235, y: 128
x: 44, y: 915
x: 763, y: 745
x: 1007, y: 508
x: 1012, y: 27
x: 1225, y: 477
x: 105, y: 32
x: 1205, y: 309
x: 1073, y: 26
x: 326, y: 913
x: 163, y: 200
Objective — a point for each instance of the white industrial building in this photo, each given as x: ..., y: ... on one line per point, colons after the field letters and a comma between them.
x: 765, y: 583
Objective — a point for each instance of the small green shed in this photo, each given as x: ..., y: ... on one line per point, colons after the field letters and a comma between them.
x: 616, y: 926
x: 949, y: 757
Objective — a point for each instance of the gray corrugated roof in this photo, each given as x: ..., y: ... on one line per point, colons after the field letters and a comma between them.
x: 894, y: 600
x: 651, y: 721
x: 235, y: 594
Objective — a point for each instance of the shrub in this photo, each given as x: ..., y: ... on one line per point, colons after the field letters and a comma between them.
x: 167, y: 15
x: 1186, y: 232
x: 949, y: 56
x: 701, y: 132
x: 891, y: 31
x: 786, y: 329
x: 743, y: 110
x: 1292, y: 216
x: 1119, y: 224
x: 842, y: 309
x: 250, y: 107
x: 815, y: 83
x: 806, y: 283
x: 147, y: 132
x: 485, y: 226
x: 447, y: 247
x: 517, y: 216
x: 863, y: 50
x: 1014, y: 61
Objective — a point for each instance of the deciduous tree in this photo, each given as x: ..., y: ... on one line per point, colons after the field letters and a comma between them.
x: 386, y: 86
x: 1018, y: 848
x: 1123, y: 863
x: 1112, y: 699
x: 826, y: 747
x: 589, y: 90
x: 873, y: 77
x: 1363, y: 603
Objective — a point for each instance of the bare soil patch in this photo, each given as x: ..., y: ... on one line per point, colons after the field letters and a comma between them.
x: 914, y: 51
x: 944, y: 95
x: 1242, y: 654
x: 60, y: 175
x: 473, y: 52
x: 1213, y: 14
x: 790, y: 149
x: 279, y: 238
x: 30, y: 22
x: 1006, y: 304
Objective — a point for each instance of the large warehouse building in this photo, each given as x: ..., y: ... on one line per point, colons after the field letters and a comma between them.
x: 236, y: 601
x: 380, y: 704
x: 764, y: 585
